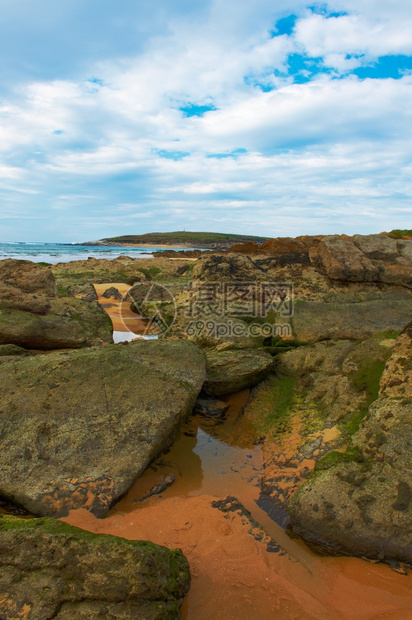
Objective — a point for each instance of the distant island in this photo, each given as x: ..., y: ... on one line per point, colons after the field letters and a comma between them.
x: 180, y: 238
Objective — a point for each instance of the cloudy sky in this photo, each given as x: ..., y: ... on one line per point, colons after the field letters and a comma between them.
x: 252, y: 116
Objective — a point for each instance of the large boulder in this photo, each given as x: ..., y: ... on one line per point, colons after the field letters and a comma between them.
x: 53, y: 570
x: 12, y: 297
x: 28, y: 277
x: 279, y: 246
x: 70, y: 323
x: 31, y: 315
x: 361, y: 503
x: 226, y: 268
x: 311, y: 406
x: 364, y: 258
x: 78, y: 427
x: 232, y: 371
x: 26, y: 286
x: 314, y: 321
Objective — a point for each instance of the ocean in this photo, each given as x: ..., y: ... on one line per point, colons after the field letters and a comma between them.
x: 64, y: 252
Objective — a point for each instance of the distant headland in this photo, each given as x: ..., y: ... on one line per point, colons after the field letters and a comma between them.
x: 180, y: 239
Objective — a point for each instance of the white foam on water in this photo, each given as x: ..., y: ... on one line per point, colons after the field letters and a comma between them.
x: 129, y: 336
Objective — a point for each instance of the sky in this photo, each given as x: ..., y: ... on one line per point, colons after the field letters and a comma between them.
x: 246, y: 116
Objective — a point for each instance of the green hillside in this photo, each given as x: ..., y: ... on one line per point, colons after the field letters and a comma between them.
x: 190, y: 239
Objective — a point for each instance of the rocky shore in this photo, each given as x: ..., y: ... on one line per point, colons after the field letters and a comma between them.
x: 319, y: 328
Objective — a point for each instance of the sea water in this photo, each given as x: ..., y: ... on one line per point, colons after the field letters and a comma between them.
x: 64, y: 252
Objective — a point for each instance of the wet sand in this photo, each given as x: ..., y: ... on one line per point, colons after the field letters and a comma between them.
x: 233, y: 574
x: 123, y: 319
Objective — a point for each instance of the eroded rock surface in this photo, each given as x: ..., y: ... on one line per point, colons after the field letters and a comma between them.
x: 361, y: 504
x: 232, y: 371
x: 65, y: 415
x: 31, y: 316
x: 314, y: 321
x: 312, y: 405
x: 365, y: 258
x: 53, y: 570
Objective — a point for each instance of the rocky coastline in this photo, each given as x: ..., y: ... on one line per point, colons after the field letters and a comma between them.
x: 317, y: 328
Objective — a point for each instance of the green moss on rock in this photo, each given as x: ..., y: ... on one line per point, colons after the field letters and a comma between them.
x: 52, y: 569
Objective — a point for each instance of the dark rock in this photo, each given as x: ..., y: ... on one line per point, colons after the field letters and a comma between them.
x: 210, y: 408
x: 11, y: 349
x: 226, y: 267
x: 52, y: 570
x: 182, y: 270
x: 64, y: 416
x: 86, y: 291
x: 232, y: 371
x: 231, y: 505
x: 112, y: 292
x: 159, y: 487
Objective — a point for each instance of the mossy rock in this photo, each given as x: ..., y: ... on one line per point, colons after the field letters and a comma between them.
x: 53, y: 570
x: 232, y: 371
x: 64, y: 416
x: 70, y: 323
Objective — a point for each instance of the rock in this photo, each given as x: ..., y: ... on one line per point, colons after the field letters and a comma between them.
x: 280, y: 246
x: 158, y: 488
x: 226, y: 268
x: 183, y: 269
x: 86, y: 292
x: 112, y: 292
x: 149, y: 292
x: 232, y: 508
x: 28, y: 277
x: 312, y: 406
x: 78, y: 427
x: 53, y: 570
x: 288, y: 245
x: 26, y: 286
x: 210, y: 408
x: 361, y: 504
x: 13, y: 298
x: 250, y: 247
x: 369, y: 258
x: 32, y: 317
x: 314, y: 321
x: 377, y: 247
x: 11, y: 349
x: 232, y: 371
x: 221, y: 332
x: 70, y: 323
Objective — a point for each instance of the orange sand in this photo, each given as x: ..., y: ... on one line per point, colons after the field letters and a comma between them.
x: 123, y: 319
x: 234, y: 577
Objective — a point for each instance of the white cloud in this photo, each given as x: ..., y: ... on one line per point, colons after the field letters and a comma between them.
x: 320, y: 155
x: 334, y: 38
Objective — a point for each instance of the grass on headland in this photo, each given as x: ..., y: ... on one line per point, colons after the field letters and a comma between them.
x: 399, y: 234
x: 181, y: 237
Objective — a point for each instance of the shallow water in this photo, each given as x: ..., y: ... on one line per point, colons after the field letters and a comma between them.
x: 65, y: 252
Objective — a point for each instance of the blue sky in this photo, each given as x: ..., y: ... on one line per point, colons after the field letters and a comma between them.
x: 260, y: 117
